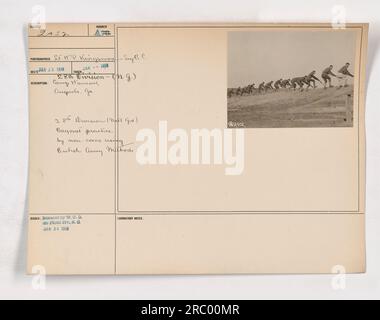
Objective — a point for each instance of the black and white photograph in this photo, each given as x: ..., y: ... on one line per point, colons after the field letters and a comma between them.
x: 286, y: 79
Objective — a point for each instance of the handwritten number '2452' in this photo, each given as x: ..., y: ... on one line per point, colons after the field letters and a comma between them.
x: 45, y: 33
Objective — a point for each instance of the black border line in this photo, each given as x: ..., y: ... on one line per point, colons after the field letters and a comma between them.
x: 205, y: 212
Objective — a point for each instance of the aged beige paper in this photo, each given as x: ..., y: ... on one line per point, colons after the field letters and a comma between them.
x: 197, y: 149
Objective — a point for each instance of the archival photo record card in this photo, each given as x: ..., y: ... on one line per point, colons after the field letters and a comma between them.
x: 197, y: 149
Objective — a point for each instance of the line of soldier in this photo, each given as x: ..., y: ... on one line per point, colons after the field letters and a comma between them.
x: 297, y: 82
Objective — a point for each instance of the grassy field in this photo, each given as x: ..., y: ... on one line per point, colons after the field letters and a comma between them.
x: 287, y: 108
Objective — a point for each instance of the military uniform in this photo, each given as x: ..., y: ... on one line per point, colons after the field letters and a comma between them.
x: 310, y: 79
x: 326, y: 76
x: 278, y: 84
x: 300, y: 81
x: 344, y: 74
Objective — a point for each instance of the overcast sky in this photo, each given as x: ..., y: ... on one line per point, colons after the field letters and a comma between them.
x: 257, y: 56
